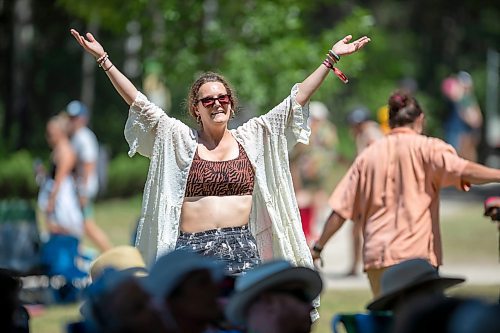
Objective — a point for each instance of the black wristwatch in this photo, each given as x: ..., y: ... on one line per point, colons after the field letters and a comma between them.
x: 317, y: 248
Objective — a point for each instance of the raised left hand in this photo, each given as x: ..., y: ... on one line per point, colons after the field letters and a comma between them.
x: 345, y: 46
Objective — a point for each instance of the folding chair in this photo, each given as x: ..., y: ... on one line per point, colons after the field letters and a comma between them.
x: 373, y: 322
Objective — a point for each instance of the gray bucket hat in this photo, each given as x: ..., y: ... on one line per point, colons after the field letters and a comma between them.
x: 407, y: 276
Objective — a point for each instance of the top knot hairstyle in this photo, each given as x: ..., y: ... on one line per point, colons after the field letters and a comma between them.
x: 403, y: 109
x: 201, y: 80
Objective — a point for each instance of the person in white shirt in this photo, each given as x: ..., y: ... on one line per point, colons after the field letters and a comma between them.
x: 86, y: 147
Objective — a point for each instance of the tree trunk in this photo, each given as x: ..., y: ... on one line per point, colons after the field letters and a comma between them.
x: 88, y: 72
x: 18, y: 122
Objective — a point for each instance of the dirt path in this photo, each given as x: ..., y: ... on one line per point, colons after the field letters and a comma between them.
x: 338, y: 253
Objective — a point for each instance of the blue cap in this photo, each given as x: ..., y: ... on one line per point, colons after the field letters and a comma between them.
x: 169, y: 271
x: 358, y: 116
x: 76, y: 109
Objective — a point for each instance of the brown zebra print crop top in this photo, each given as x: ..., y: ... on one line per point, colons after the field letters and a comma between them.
x: 220, y: 178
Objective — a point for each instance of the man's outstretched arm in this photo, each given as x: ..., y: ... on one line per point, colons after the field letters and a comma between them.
x: 475, y: 173
x: 332, y: 225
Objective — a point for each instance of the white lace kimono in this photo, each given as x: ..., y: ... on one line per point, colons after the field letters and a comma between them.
x: 171, y: 145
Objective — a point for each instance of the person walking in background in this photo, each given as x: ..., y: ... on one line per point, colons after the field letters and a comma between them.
x: 471, y: 115
x: 59, y: 201
x: 463, y: 126
x: 365, y: 131
x: 85, y: 144
x: 392, y: 190
x: 220, y: 192
x: 492, y: 208
x: 309, y: 165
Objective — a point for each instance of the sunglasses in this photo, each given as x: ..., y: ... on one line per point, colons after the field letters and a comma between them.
x: 210, y: 101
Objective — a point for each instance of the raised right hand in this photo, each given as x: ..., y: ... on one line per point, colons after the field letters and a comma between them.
x: 90, y: 44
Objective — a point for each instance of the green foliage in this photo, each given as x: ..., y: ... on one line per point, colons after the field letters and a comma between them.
x: 126, y: 176
x: 263, y: 47
x: 17, y: 179
x: 112, y: 14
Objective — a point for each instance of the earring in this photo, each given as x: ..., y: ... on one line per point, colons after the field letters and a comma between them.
x: 232, y: 113
x: 198, y: 119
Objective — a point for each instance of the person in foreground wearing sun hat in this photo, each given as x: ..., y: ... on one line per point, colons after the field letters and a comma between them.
x: 186, y: 285
x: 274, y: 297
x: 114, y: 277
x: 117, y: 302
x: 123, y: 257
x: 409, y: 281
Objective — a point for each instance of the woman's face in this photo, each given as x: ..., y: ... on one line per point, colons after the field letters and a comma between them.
x: 213, y: 105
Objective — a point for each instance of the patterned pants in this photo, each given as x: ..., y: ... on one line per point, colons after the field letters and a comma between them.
x: 235, y: 246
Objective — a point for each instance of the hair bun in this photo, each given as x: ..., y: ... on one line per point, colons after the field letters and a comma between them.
x: 398, y: 100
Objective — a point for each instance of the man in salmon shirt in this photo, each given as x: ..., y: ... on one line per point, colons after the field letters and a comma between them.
x: 392, y: 190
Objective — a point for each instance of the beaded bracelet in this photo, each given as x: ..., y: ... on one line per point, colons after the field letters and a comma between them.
x: 334, y: 55
x: 103, y: 61
x: 327, y: 64
x: 101, y: 58
x: 331, y: 59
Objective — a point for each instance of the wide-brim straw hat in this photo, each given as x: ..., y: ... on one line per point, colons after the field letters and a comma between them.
x: 408, y: 276
x: 266, y: 277
x: 119, y: 258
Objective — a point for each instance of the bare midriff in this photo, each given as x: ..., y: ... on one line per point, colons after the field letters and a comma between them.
x: 212, y: 212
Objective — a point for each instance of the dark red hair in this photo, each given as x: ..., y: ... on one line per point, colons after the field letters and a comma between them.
x: 403, y: 109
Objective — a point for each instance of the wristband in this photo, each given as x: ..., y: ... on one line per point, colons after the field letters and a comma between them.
x: 107, y: 69
x: 340, y: 75
x: 327, y: 63
x: 333, y: 54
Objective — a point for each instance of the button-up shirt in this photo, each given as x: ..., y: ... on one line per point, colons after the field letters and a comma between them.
x: 392, y: 189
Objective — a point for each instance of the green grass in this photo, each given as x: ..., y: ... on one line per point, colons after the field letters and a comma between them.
x: 54, y: 318
x: 467, y: 238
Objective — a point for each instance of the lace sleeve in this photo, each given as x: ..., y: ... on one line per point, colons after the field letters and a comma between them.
x: 140, y: 129
x: 289, y: 118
